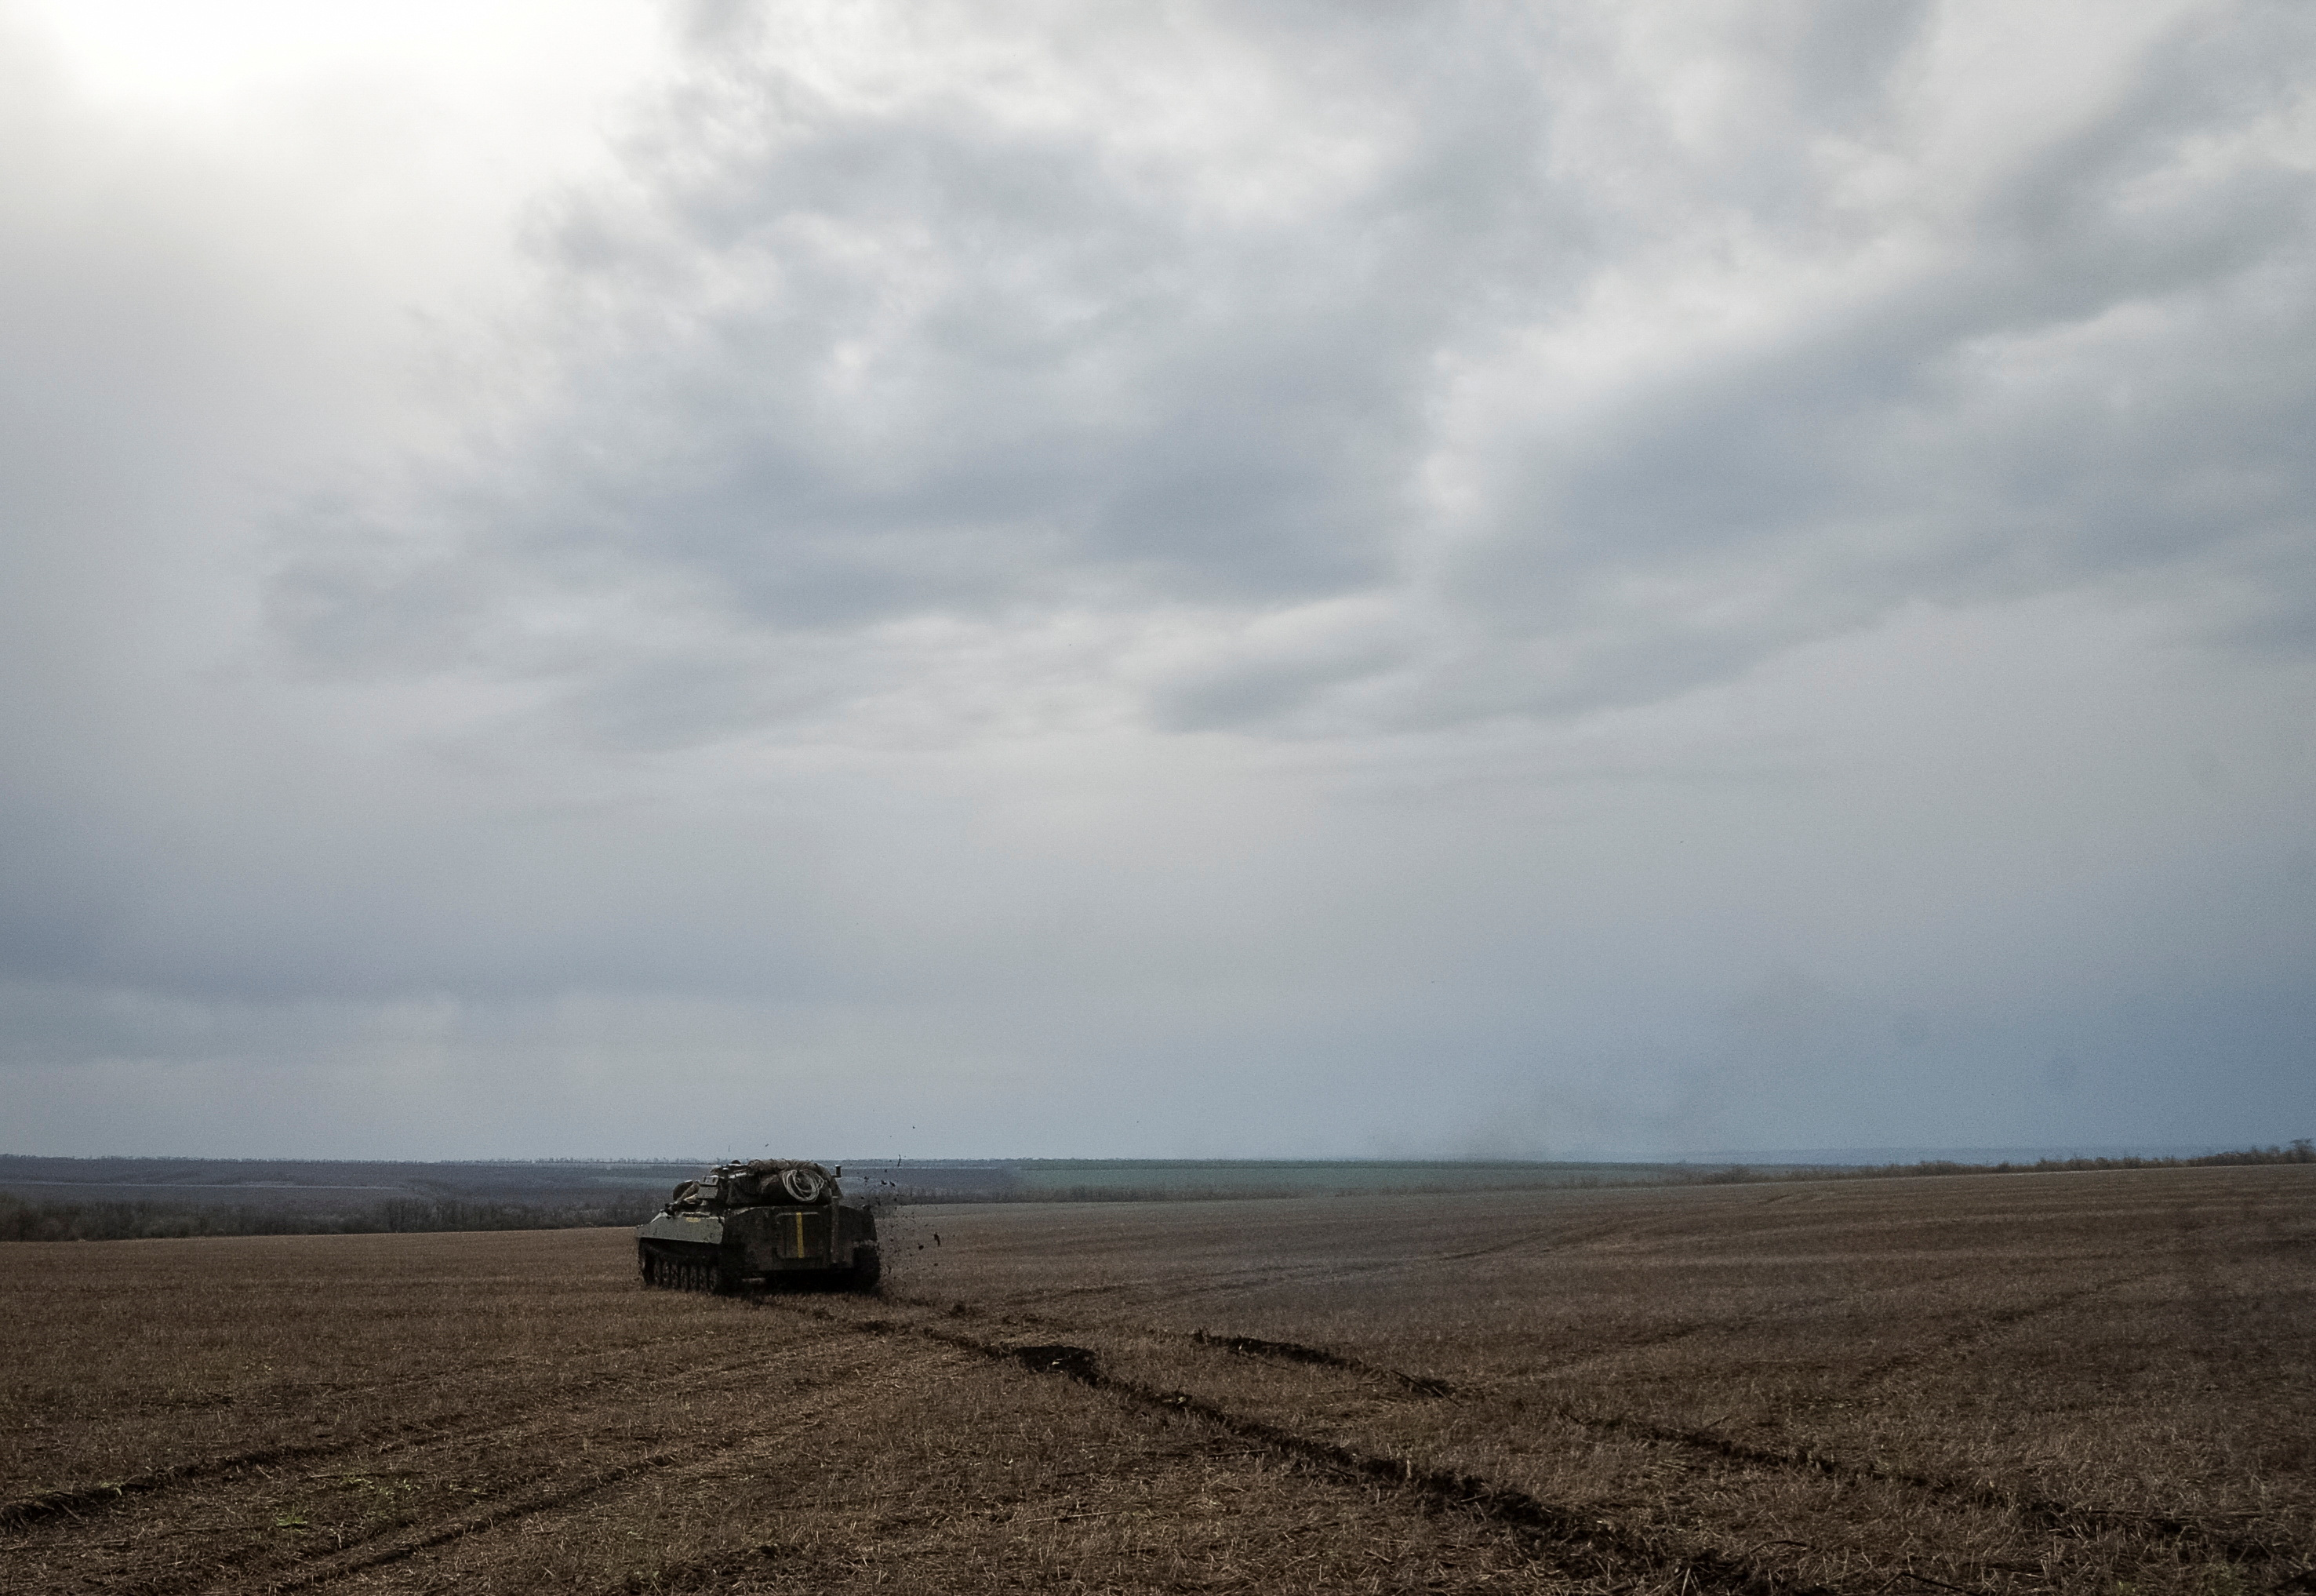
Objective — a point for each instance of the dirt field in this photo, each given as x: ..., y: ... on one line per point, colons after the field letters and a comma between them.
x: 2084, y: 1382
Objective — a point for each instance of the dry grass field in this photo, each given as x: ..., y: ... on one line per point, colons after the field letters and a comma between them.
x: 2080, y: 1382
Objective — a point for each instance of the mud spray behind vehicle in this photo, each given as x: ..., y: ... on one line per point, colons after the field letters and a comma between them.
x: 767, y: 1219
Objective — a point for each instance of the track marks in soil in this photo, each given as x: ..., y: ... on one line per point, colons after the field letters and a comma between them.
x: 1154, y: 1292
x: 1287, y: 1352
x: 1981, y: 1328
x: 2072, y: 1521
x: 1591, y: 1545
x: 2057, y: 1516
x: 385, y: 1440
x: 2067, y: 1519
x: 562, y: 1493
x: 1583, y: 1545
x: 552, y: 1493
x: 1243, y: 1346
x: 1673, y: 1334
x: 70, y: 1499
x: 1552, y: 1239
x: 248, y: 1504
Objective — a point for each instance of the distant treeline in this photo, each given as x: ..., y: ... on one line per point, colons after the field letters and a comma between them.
x: 893, y: 1195
x: 2303, y: 1150
x: 22, y: 1220
x: 1209, y: 1179
x: 897, y: 1196
x: 900, y: 1194
x: 70, y: 1219
x: 518, y: 1179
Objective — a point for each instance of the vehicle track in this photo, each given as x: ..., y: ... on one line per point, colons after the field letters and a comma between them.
x: 1984, y: 1326
x: 1287, y: 1352
x: 334, y: 1390
x: 69, y: 1500
x: 227, y: 1569
x: 479, y: 1371
x: 1419, y: 1384
x: 1554, y: 1235
x: 1152, y: 1294
x: 1673, y: 1335
x: 2069, y: 1519
x: 551, y: 1494
x: 1582, y: 1544
x: 2074, y: 1520
x: 1249, y: 1346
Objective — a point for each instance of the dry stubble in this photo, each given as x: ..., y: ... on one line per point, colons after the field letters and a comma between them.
x: 2070, y: 1382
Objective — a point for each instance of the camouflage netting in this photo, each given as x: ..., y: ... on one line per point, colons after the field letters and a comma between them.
x: 760, y: 1181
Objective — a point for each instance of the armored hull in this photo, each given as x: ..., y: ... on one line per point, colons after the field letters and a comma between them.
x: 766, y: 1220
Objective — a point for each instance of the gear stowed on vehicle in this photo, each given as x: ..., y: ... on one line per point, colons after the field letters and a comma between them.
x: 766, y: 1219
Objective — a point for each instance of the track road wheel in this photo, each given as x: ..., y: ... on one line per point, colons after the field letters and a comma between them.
x: 867, y: 1268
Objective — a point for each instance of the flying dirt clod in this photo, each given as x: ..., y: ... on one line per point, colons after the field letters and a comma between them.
x: 767, y: 1219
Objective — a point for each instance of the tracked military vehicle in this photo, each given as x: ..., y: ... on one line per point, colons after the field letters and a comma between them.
x: 767, y: 1219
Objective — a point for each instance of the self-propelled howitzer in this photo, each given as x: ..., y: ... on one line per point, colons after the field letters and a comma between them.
x: 766, y: 1219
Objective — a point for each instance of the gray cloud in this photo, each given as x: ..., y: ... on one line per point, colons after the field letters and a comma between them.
x: 1545, y: 580
x: 1200, y: 323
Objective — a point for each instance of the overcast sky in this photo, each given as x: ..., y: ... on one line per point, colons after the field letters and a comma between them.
x: 1015, y: 579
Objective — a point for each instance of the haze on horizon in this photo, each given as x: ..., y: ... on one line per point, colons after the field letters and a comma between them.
x: 1024, y: 580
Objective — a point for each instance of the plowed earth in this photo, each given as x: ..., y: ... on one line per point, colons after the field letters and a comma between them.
x: 2081, y: 1382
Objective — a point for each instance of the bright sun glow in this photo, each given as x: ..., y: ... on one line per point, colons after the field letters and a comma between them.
x: 488, y: 99
x: 216, y: 53
x: 415, y: 133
